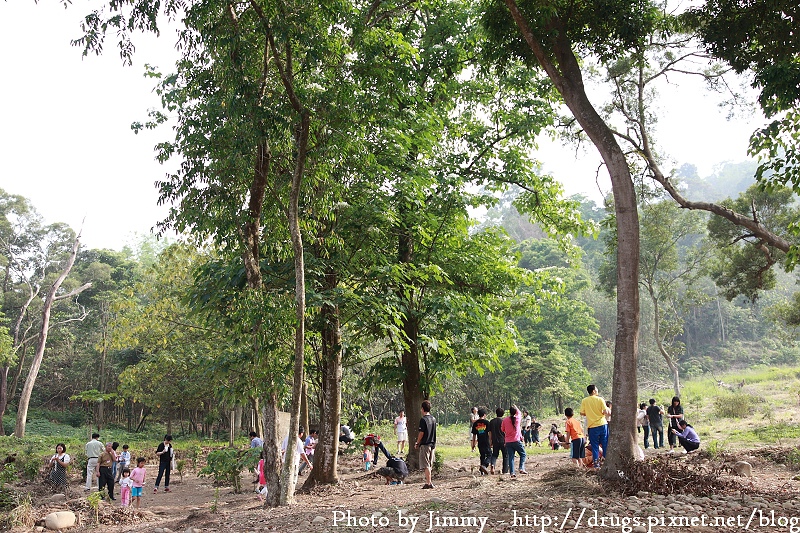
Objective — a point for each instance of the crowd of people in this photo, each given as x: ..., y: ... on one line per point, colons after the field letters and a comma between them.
x: 504, y: 436
x: 111, y: 467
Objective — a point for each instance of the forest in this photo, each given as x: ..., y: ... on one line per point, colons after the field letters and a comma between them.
x: 332, y: 157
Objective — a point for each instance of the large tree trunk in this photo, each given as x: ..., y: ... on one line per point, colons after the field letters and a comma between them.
x: 272, y: 450
x: 564, y: 71
x: 327, y: 451
x: 27, y: 390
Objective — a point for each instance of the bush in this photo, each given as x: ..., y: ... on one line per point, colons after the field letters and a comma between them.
x: 736, y: 405
x: 226, y: 465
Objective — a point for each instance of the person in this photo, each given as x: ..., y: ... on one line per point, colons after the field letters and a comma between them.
x: 255, y: 440
x: 480, y: 436
x: 552, y: 437
x: 367, y: 456
x: 608, y: 410
x: 401, y: 428
x: 115, y: 446
x: 310, y: 444
x: 165, y: 453
x: 345, y: 434
x: 123, y: 461
x: 574, y: 433
x: 643, y: 423
x: 105, y: 470
x: 535, y: 427
x: 426, y: 443
x: 498, y: 440
x: 374, y: 441
x: 526, y: 428
x: 301, y: 452
x: 125, y: 486
x: 93, y: 450
x: 593, y: 407
x: 512, y: 430
x: 262, y: 478
x: 58, y: 467
x: 394, y: 472
x: 473, y: 416
x: 687, y: 436
x: 655, y: 416
x: 137, y: 477
x: 675, y: 414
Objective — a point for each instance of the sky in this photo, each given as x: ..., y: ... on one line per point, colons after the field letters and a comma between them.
x: 66, y: 142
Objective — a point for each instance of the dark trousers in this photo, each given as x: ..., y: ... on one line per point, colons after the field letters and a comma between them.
x: 486, y: 455
x: 497, y: 449
x: 658, y: 436
x: 106, y: 480
x: 646, y: 436
x: 688, y: 445
x: 163, y: 470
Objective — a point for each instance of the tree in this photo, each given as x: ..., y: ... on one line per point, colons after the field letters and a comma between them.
x: 51, y: 297
x: 671, y: 259
x: 547, y: 34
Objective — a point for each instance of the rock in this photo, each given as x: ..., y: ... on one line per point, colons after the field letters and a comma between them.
x: 59, y: 520
x: 640, y: 529
x: 743, y: 468
x: 57, y: 498
x: 318, y: 520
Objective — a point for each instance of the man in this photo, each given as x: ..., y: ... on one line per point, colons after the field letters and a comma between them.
x: 255, y: 441
x: 301, y: 453
x: 426, y: 443
x: 498, y: 440
x: 93, y: 450
x: 655, y: 416
x: 526, y: 427
x: 594, y: 409
x: 105, y: 470
x: 480, y: 437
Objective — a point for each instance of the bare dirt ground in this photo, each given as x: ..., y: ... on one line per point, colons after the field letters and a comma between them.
x: 553, y: 497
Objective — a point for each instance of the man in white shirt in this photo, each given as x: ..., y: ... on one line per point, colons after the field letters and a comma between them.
x: 301, y: 453
x: 93, y: 450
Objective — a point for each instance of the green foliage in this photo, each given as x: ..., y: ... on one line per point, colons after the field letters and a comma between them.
x: 226, y: 465
x: 94, y: 500
x: 736, y: 405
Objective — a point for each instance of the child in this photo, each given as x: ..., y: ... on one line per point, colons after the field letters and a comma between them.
x: 262, y: 479
x: 575, y: 436
x: 123, y: 461
x: 137, y: 478
x: 125, y: 487
x: 367, y: 458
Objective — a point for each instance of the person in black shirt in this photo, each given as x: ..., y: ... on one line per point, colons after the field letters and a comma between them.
x: 480, y: 436
x: 675, y: 414
x: 426, y: 443
x: 498, y: 439
x: 655, y: 415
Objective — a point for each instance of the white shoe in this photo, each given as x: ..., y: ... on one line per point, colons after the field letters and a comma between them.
x: 671, y: 451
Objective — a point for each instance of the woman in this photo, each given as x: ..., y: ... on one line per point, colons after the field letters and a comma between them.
x: 165, y: 453
x: 58, y: 467
x: 473, y: 416
x: 675, y: 415
x: 513, y: 436
x: 687, y: 436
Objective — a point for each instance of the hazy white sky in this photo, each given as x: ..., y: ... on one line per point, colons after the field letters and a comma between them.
x: 66, y: 142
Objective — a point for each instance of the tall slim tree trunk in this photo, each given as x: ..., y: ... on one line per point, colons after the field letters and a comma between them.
x: 288, y: 472
x: 564, y: 71
x: 272, y: 450
x: 673, y: 367
x: 27, y: 390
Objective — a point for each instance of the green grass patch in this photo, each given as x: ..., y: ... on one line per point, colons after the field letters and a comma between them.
x: 771, y: 434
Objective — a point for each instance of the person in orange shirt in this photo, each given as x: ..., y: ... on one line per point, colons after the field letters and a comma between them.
x: 575, y: 436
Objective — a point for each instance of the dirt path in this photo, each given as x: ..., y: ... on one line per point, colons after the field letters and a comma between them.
x: 552, y: 497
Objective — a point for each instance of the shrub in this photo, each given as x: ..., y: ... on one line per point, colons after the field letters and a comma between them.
x: 226, y: 465
x: 736, y: 405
